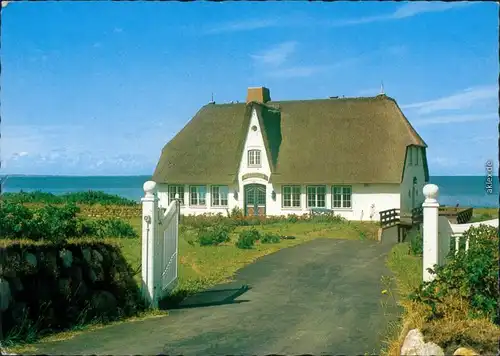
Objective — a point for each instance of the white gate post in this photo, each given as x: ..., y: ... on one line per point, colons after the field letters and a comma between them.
x: 149, y: 222
x: 430, y: 230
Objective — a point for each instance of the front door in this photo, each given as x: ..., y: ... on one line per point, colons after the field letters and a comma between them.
x: 255, y: 200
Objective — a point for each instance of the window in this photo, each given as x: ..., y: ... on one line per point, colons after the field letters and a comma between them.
x: 254, y: 158
x: 316, y: 197
x: 416, y: 156
x: 197, y: 195
x: 219, y: 195
x: 173, y: 190
x: 342, y: 196
x: 291, y: 196
x: 410, y: 156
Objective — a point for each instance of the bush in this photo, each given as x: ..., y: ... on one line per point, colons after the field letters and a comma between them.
x: 416, y: 243
x: 110, y: 227
x: 469, y: 275
x: 213, y: 236
x: 48, y: 222
x: 270, y: 238
x: 90, y: 197
x: 247, y: 238
x: 55, y: 224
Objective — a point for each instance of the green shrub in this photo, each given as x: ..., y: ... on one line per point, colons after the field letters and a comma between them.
x: 416, y: 243
x: 247, y: 238
x: 270, y: 238
x: 292, y: 218
x: 55, y: 224
x: 470, y: 275
x: 213, y: 236
x: 90, y: 197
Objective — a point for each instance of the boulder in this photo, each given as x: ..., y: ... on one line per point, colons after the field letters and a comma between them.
x: 64, y: 286
x: 463, y: 351
x: 31, y: 260
x: 103, y: 302
x: 87, y: 256
x: 66, y: 257
x: 414, y: 345
x: 5, y: 294
x: 97, y: 256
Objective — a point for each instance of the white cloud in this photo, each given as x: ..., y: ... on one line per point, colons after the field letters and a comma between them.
x: 420, y: 7
x: 462, y: 100
x: 406, y: 10
x: 245, y: 25
x: 118, y: 30
x: 448, y: 119
x: 297, y: 71
x: 277, y: 55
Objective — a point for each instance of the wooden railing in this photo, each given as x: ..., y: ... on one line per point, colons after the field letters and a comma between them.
x: 456, y: 215
x: 417, y: 215
x: 389, y: 218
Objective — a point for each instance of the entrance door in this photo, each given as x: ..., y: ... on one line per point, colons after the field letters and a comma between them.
x: 255, y: 200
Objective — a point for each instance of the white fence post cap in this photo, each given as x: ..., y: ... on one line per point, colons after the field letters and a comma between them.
x: 431, y: 192
x: 149, y: 188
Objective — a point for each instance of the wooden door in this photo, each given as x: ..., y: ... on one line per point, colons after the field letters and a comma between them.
x: 255, y: 200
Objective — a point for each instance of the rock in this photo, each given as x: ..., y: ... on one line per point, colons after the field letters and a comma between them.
x: 86, y: 255
x: 17, y: 285
x: 414, y: 345
x: 31, y: 260
x: 81, y: 290
x: 64, y: 286
x: 19, y: 311
x: 463, y: 351
x: 5, y: 295
x: 103, y: 302
x: 67, y: 257
x: 49, y: 261
x: 92, y: 275
x: 76, y: 274
x: 97, y: 256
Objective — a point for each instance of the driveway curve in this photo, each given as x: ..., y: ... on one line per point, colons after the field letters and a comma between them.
x: 323, y: 296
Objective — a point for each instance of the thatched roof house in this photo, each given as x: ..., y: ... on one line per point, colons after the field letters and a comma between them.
x: 349, y: 143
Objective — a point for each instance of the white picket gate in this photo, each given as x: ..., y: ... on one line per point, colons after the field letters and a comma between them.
x: 439, y: 235
x: 160, y: 237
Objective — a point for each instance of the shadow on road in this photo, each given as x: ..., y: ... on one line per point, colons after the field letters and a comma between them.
x: 211, y: 297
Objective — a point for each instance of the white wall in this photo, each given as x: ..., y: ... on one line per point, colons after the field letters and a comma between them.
x: 413, y: 168
x: 383, y: 196
x: 254, y: 140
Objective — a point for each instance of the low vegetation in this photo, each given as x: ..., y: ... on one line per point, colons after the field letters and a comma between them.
x: 459, y: 307
x: 89, y: 198
x: 56, y: 224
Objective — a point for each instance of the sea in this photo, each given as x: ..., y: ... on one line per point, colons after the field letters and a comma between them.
x: 462, y: 190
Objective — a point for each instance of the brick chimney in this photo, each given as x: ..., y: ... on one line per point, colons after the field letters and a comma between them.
x: 260, y: 95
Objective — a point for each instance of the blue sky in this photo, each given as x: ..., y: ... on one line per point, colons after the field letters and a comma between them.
x: 98, y: 88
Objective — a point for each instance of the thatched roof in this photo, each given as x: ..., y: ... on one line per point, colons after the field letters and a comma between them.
x: 348, y: 140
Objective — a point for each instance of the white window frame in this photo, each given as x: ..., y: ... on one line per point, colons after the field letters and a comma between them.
x: 220, y: 201
x: 174, y: 189
x: 343, y: 201
x: 291, y: 194
x: 254, y: 158
x: 316, y: 200
x: 201, y: 200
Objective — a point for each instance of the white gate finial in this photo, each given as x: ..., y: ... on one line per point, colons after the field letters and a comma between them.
x: 149, y: 188
x: 431, y: 192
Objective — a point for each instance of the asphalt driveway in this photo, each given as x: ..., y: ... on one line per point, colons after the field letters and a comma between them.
x: 320, y: 297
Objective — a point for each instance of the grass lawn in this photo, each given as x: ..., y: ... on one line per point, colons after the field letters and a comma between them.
x: 204, y: 266
x: 483, y: 214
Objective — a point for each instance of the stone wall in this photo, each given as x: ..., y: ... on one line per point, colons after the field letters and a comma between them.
x: 57, y: 286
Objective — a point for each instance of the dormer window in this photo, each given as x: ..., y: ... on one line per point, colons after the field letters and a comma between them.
x: 410, y: 156
x: 254, y: 158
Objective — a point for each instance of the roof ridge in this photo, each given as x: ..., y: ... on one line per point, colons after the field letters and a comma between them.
x: 377, y: 97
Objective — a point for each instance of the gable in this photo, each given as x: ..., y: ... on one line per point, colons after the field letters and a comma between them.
x: 255, y: 140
